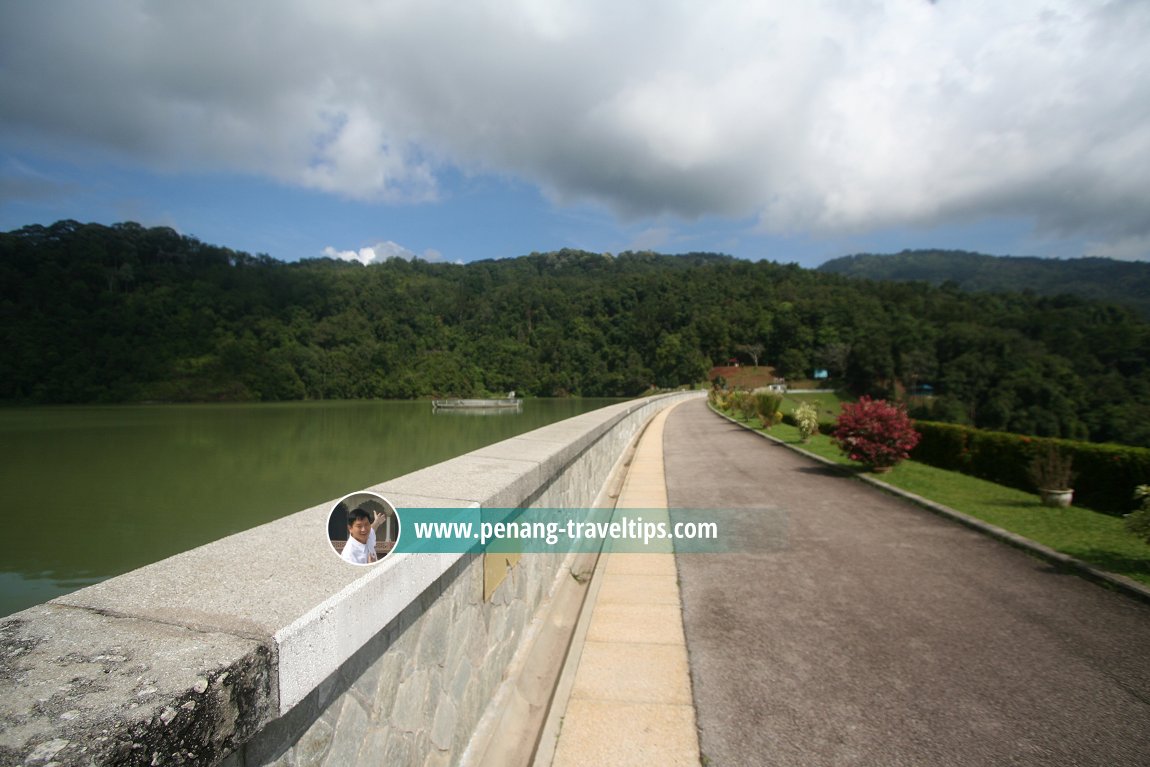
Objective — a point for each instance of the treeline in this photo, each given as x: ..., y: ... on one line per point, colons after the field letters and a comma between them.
x: 1102, y: 279
x: 90, y: 313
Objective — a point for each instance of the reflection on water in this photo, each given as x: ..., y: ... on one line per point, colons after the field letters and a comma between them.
x: 90, y: 492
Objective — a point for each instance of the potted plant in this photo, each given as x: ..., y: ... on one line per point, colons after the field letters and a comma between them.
x: 1052, y: 473
x: 1138, y: 522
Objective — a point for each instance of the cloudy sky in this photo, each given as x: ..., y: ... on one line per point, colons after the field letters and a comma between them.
x: 793, y: 131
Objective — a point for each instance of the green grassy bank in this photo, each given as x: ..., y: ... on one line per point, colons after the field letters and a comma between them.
x: 1096, y: 538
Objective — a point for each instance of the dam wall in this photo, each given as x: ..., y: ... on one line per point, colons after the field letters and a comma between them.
x: 264, y: 648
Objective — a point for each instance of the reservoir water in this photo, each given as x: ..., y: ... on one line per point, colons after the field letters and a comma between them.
x: 87, y: 493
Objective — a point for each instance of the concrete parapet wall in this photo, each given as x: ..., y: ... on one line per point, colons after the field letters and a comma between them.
x: 264, y: 648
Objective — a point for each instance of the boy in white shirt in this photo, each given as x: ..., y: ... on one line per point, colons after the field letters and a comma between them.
x: 360, y: 546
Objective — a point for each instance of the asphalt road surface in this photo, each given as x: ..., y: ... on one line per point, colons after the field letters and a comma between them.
x: 847, y: 626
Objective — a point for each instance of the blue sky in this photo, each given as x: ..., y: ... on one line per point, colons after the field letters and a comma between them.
x: 792, y: 132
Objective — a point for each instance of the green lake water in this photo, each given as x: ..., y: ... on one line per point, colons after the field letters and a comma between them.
x: 87, y: 493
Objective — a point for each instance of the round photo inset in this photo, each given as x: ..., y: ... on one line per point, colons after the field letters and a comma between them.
x: 363, y: 528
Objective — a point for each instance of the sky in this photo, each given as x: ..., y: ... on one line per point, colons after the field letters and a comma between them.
x: 455, y: 131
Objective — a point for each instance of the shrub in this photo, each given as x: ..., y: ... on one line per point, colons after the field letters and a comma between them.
x: 875, y: 433
x: 717, y: 399
x: 807, y: 420
x: 742, y: 404
x: 945, y: 445
x: 767, y: 406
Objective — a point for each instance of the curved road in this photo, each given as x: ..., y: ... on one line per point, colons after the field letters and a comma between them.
x: 850, y: 627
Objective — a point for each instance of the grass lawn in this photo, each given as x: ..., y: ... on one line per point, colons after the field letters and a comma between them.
x: 827, y: 403
x: 1099, y: 539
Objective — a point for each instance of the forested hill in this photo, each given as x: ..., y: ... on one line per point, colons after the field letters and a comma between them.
x: 1103, y: 279
x: 90, y: 313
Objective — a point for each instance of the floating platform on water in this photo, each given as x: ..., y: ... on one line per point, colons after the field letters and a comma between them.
x: 504, y: 403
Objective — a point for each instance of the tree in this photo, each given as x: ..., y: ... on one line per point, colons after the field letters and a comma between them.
x: 793, y: 364
x: 833, y: 357
x: 870, y: 366
x: 754, y: 350
x: 678, y: 362
x: 90, y: 313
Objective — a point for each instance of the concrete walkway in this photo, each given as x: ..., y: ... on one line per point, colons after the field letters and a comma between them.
x: 848, y: 626
x: 630, y: 702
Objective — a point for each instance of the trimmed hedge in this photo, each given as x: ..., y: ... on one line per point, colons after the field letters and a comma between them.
x: 825, y: 427
x: 1107, y: 474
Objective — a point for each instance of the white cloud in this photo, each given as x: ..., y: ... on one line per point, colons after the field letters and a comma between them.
x: 380, y: 252
x: 353, y: 159
x: 371, y: 255
x: 823, y: 117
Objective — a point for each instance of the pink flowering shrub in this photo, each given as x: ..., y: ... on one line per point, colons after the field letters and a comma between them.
x: 875, y: 432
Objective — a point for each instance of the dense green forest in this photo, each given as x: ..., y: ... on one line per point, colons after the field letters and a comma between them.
x: 90, y: 313
x: 1103, y: 279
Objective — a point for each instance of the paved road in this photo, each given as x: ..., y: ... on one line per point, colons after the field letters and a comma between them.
x: 851, y: 627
